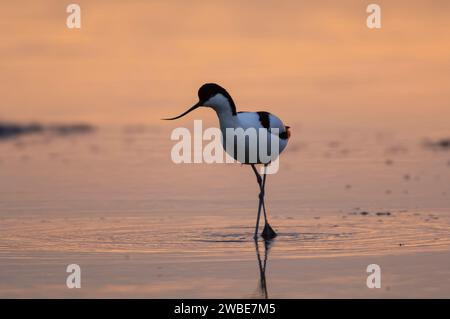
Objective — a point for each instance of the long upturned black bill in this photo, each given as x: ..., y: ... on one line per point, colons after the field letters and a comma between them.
x: 181, y: 115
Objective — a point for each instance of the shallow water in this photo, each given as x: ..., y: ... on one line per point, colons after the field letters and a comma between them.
x: 108, y: 200
x: 324, y: 236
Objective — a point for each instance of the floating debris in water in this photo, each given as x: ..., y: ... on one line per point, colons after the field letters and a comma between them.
x: 9, y: 130
x: 14, y: 130
x: 364, y: 213
x: 438, y: 144
x: 67, y: 129
x: 383, y: 213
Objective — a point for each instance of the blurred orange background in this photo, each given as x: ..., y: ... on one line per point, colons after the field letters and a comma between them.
x: 312, y: 62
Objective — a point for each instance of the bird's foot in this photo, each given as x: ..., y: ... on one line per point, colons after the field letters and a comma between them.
x: 268, y: 232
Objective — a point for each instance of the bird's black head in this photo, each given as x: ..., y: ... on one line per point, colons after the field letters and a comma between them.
x: 214, y: 96
x: 208, y: 90
x: 210, y: 93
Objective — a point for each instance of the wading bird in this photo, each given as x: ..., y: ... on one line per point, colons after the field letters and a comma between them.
x: 216, y: 97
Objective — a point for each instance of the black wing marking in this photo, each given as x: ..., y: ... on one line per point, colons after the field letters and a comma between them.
x: 264, y: 119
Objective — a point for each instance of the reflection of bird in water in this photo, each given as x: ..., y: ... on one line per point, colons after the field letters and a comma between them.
x: 216, y: 97
x: 262, y: 263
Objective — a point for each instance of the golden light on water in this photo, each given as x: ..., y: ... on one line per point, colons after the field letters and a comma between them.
x: 358, y: 181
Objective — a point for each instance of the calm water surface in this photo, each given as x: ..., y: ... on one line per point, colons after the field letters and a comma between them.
x: 107, y: 197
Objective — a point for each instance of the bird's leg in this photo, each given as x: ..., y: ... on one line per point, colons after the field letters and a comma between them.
x: 268, y: 233
x: 261, y: 196
x: 263, y: 192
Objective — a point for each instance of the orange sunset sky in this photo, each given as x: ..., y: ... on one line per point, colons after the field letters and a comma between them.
x: 313, y: 62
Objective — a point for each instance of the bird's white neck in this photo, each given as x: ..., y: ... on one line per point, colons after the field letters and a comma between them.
x: 227, y: 119
x: 221, y: 104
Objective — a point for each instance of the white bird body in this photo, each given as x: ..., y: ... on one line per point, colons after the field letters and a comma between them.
x: 263, y: 124
x: 276, y: 133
